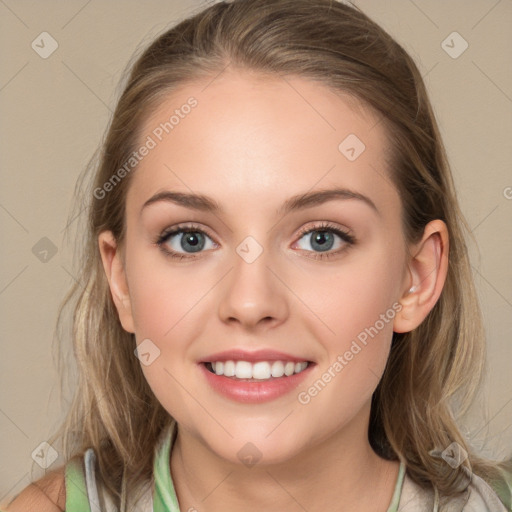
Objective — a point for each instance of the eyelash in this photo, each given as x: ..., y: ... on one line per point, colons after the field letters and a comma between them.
x: 193, y: 228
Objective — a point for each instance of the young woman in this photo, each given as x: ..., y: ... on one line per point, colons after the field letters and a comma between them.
x: 276, y: 309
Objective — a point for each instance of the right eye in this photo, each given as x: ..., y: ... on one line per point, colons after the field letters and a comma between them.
x: 180, y: 241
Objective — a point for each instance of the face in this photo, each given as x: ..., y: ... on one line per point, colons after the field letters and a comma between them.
x: 263, y: 277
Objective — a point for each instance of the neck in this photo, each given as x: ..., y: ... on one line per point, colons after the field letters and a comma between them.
x: 333, y: 474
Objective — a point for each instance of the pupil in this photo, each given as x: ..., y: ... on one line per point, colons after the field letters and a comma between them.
x: 194, y: 240
x: 323, y: 240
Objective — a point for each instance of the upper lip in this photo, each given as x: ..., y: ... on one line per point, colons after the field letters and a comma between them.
x: 252, y: 356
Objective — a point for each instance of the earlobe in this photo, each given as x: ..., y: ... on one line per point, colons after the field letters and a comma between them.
x: 428, y: 268
x: 116, y: 276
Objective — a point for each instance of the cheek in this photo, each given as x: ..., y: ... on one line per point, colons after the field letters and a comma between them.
x: 168, y: 305
x: 356, y: 304
x: 163, y: 294
x: 352, y: 296
x: 355, y: 359
x: 165, y: 308
x: 155, y: 304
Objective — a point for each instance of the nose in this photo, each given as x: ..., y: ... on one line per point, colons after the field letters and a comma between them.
x: 253, y: 294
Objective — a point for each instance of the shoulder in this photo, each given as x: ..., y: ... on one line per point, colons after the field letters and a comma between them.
x: 479, y: 496
x: 48, y: 494
x: 502, y: 486
x: 486, y: 496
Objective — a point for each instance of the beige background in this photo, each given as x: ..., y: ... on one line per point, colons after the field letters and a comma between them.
x: 54, y: 112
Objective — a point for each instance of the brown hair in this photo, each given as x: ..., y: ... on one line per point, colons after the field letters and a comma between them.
x: 432, y: 372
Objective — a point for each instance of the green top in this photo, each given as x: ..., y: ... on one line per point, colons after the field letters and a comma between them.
x: 78, y: 493
x: 164, y: 497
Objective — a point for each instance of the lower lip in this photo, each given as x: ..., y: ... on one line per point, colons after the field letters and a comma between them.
x: 254, y: 392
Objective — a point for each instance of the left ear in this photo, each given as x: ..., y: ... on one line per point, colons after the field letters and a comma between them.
x: 428, y: 267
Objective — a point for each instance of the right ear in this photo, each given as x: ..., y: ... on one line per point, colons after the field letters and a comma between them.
x: 116, y: 276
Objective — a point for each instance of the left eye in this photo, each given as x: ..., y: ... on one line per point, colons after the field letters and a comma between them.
x: 323, y: 239
x: 188, y: 241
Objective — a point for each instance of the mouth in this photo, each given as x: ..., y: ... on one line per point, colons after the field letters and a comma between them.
x: 266, y: 376
x: 259, y: 371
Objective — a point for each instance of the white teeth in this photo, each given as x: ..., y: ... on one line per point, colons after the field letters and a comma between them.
x: 277, y: 369
x: 261, y: 370
x: 243, y: 370
x: 289, y: 368
x: 229, y: 369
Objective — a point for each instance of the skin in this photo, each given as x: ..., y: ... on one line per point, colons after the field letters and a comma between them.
x: 251, y: 143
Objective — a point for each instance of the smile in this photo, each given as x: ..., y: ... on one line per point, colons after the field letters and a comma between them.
x: 257, y: 382
x: 261, y: 370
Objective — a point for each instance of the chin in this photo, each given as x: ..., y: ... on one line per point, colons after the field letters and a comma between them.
x: 252, y: 447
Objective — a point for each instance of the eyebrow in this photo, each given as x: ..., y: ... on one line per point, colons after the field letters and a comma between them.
x: 294, y: 203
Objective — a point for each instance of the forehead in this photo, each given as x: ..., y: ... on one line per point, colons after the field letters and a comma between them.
x: 249, y: 139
